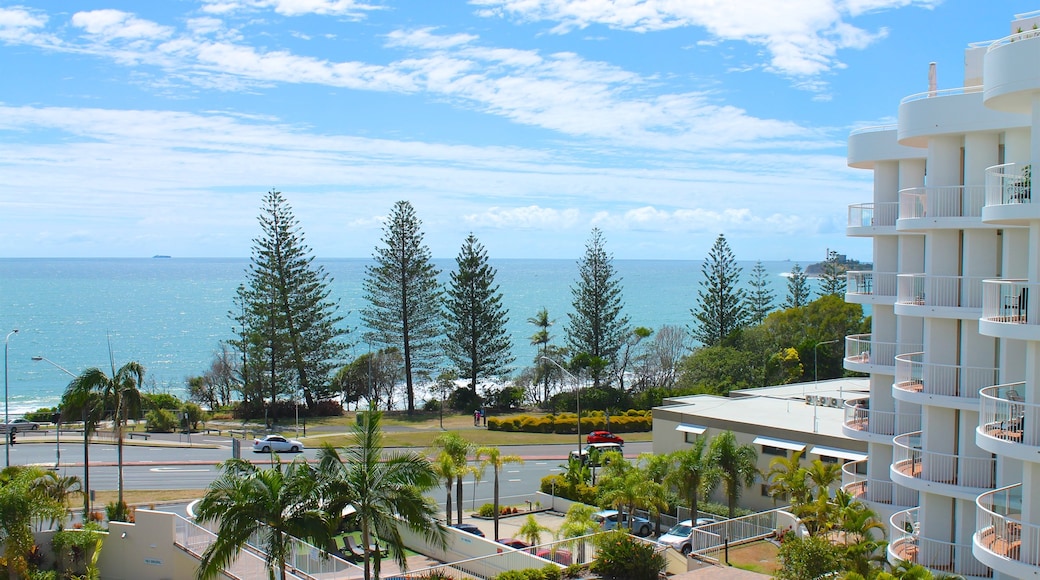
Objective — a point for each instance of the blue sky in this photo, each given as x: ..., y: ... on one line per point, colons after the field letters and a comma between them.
x: 139, y: 128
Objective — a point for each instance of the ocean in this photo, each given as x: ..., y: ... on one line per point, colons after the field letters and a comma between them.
x: 170, y: 314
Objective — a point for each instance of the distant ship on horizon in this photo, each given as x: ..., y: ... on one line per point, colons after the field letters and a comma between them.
x: 160, y: 256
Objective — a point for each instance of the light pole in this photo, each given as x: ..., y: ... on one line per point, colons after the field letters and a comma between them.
x: 7, y: 416
x: 57, y: 430
x: 577, y: 396
x: 816, y: 378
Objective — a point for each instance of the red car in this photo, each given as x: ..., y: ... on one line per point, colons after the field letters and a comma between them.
x: 604, y: 437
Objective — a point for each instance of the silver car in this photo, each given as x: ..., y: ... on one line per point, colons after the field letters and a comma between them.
x: 276, y: 443
x: 680, y: 536
x: 19, y: 425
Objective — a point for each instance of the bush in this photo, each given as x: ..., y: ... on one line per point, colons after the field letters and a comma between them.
x: 160, y: 421
x: 119, y: 512
x: 487, y: 510
x: 41, y: 415
x: 580, y: 493
x: 549, y: 572
x: 621, y: 557
x: 194, y: 413
x: 631, y: 421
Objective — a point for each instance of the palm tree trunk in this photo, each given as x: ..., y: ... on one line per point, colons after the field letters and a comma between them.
x: 496, y: 504
x: 458, y: 499
x: 119, y: 451
x: 86, y: 469
x: 447, y: 503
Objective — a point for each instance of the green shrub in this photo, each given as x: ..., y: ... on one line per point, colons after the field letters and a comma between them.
x: 622, y: 557
x: 118, y: 511
x: 549, y: 572
x: 160, y: 421
x: 631, y: 421
x: 581, y: 493
x: 41, y: 415
x: 487, y: 510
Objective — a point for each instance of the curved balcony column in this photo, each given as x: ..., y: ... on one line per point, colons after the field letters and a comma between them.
x: 945, y: 385
x: 950, y: 474
x: 1008, y: 312
x: 939, y: 556
x: 872, y: 490
x: 1002, y: 540
x: 1009, y: 196
x: 870, y: 287
x: 941, y: 207
x: 1008, y: 425
x: 871, y: 425
x: 872, y: 219
x: 925, y: 295
x: 862, y: 355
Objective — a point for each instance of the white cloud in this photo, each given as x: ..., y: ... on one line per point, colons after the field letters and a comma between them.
x: 424, y: 38
x: 525, y: 218
x: 349, y: 8
x: 116, y: 24
x: 19, y: 26
x: 802, y: 37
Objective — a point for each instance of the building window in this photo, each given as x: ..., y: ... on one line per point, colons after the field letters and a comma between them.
x: 770, y: 450
x: 828, y: 459
x: 765, y: 493
x: 691, y: 437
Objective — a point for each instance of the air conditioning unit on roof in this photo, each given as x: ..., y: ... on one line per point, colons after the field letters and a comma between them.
x: 832, y: 402
x: 810, y: 399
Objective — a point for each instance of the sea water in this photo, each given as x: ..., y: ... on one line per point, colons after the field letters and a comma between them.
x: 170, y: 314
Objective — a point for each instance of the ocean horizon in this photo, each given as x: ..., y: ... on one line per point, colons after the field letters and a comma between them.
x: 170, y: 314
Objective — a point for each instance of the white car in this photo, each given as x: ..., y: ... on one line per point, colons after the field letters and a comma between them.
x: 596, y: 450
x: 18, y: 425
x: 680, y: 536
x: 608, y: 520
x: 276, y: 443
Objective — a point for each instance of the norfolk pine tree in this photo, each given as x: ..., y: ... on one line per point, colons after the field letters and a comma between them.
x: 475, y: 320
x: 760, y: 297
x: 797, y: 288
x: 404, y: 296
x: 597, y: 326
x: 832, y: 279
x: 720, y: 303
x: 286, y: 316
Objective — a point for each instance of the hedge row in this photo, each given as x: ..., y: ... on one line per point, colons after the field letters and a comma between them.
x: 633, y: 421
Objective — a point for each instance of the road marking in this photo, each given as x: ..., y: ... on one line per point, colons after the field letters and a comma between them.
x: 517, y: 471
x: 512, y: 481
x: 165, y: 469
x: 542, y: 463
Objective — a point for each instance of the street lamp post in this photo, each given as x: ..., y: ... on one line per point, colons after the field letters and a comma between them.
x: 577, y: 396
x: 57, y: 430
x: 7, y: 416
x: 816, y: 378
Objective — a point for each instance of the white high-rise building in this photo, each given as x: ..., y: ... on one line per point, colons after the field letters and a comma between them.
x: 953, y: 417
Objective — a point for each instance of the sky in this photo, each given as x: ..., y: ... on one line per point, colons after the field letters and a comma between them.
x: 129, y: 129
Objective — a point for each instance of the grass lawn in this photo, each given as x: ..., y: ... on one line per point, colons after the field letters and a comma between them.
x: 755, y: 557
x: 143, y: 497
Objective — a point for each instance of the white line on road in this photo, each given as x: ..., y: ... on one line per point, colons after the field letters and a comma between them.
x: 512, y: 481
x: 165, y: 469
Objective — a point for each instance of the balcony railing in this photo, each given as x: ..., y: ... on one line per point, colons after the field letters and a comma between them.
x: 871, y: 283
x: 941, y: 93
x: 860, y: 417
x: 868, y: 215
x: 1005, y: 415
x: 948, y: 380
x: 947, y: 468
x: 1000, y: 529
x: 936, y: 555
x: 1008, y: 184
x: 880, y: 491
x: 940, y: 291
x: 860, y: 349
x: 1013, y: 38
x: 874, y: 129
x: 1007, y: 301
x: 945, y: 201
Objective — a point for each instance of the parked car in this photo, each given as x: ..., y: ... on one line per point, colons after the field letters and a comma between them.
x: 608, y: 520
x: 514, y: 543
x: 596, y: 451
x: 603, y: 437
x: 469, y: 528
x: 680, y: 536
x: 561, y: 556
x: 276, y: 443
x: 18, y: 425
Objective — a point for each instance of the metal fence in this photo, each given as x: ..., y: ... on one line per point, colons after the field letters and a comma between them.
x: 581, y: 550
x: 710, y: 539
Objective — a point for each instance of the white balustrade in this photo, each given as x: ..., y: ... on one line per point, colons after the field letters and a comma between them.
x: 859, y: 348
x: 948, y: 380
x: 937, y: 555
x: 1000, y: 529
x: 1008, y: 301
x: 1008, y: 184
x: 1004, y: 414
x: 861, y: 417
x: 940, y: 291
x: 943, y: 201
x: 947, y: 468
x: 867, y: 215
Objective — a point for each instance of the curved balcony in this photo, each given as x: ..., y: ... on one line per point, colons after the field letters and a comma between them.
x: 1009, y: 196
x: 870, y: 287
x: 1008, y: 425
x: 879, y: 491
x: 864, y: 356
x: 950, y: 474
x: 1002, y: 540
x: 947, y: 206
x: 1011, y: 73
x: 925, y: 295
x: 907, y: 543
x: 872, y: 219
x: 866, y: 424
x: 946, y: 385
x: 1007, y: 311
x: 869, y: 145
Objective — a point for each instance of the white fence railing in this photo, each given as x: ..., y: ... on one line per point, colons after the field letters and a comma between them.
x: 941, y: 93
x: 309, y: 559
x: 949, y: 468
x: 859, y: 416
x: 1000, y: 529
x: 936, y: 555
x: 867, y: 215
x: 1008, y: 301
x: 871, y: 283
x: 943, y: 291
x: 882, y: 491
x: 942, y: 201
x: 1008, y: 184
x: 710, y: 539
x: 247, y: 565
x: 859, y: 348
x: 581, y: 550
x: 948, y: 380
x: 1005, y: 415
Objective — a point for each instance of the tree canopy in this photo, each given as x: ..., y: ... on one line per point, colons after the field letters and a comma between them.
x: 721, y: 307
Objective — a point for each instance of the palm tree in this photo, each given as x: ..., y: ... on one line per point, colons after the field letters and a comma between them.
x: 444, y: 467
x: 579, y: 523
x: 542, y: 339
x: 456, y: 446
x: 733, y: 465
x: 493, y: 456
x: 381, y: 492
x: 823, y: 476
x: 531, y: 531
x: 121, y: 393
x: 23, y: 500
x: 787, y: 478
x: 691, y: 465
x: 85, y: 404
x: 657, y: 469
x: 274, y: 503
x: 626, y: 488
x: 59, y: 488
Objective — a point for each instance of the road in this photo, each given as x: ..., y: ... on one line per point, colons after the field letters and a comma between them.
x: 167, y: 467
